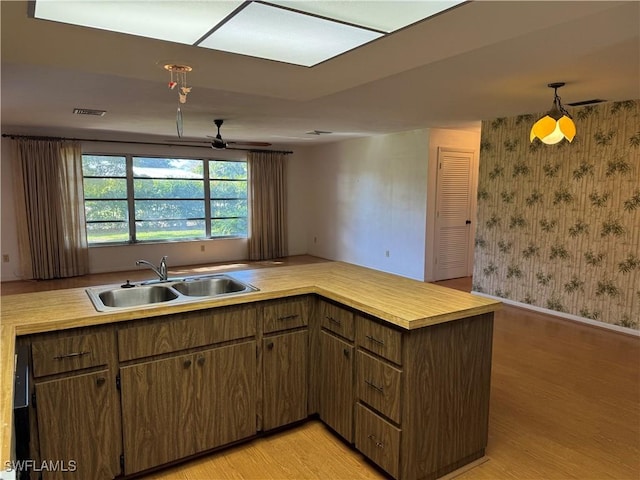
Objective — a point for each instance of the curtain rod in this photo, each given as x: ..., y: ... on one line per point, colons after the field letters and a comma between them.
x: 31, y: 137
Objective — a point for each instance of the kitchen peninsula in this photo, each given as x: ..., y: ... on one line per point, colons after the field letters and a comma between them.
x: 403, y: 372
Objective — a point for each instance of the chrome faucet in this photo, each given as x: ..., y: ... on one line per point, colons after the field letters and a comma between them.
x: 161, y: 271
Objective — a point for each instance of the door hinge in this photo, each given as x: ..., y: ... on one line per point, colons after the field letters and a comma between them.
x: 122, y: 463
x: 33, y: 400
x: 118, y: 381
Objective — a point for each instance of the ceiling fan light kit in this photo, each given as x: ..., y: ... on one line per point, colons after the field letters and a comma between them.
x: 556, y: 125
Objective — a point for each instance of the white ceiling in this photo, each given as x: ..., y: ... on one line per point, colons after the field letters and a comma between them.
x: 481, y: 60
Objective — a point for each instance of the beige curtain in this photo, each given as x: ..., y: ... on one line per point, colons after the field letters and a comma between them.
x: 50, y: 208
x: 268, y: 205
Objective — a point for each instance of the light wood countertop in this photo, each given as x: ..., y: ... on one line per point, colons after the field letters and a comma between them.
x: 406, y: 303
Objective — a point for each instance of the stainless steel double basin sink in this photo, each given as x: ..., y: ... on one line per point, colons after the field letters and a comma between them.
x: 173, y: 291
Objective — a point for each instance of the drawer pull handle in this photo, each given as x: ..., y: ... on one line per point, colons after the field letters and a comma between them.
x: 333, y: 320
x: 375, y: 340
x: 346, y: 352
x: 374, y: 386
x: 201, y: 361
x: 187, y: 363
x: 373, y: 439
x: 270, y: 345
x: 288, y: 317
x: 71, y: 355
x: 100, y: 381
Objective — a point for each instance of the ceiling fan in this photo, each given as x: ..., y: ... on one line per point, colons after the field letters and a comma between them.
x: 219, y: 144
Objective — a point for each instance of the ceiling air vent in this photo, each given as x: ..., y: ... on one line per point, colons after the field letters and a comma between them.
x: 319, y: 132
x: 89, y: 111
x: 586, y: 102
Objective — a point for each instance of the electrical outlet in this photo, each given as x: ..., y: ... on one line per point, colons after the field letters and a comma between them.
x: 5, y: 258
x: 386, y: 253
x: 202, y: 248
x: 315, y: 239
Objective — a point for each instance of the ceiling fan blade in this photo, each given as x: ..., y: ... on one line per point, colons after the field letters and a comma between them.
x: 182, y: 140
x: 250, y: 144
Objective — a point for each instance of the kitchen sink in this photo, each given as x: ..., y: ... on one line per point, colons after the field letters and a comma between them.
x: 208, y: 287
x: 131, y: 297
x: 176, y: 291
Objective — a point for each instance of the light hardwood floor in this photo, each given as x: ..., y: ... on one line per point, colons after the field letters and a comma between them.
x: 565, y: 404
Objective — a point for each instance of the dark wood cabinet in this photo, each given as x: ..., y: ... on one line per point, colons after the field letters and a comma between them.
x: 336, y: 384
x: 77, y: 427
x: 157, y: 412
x: 176, y: 407
x: 285, y: 378
x: 225, y: 400
x: 195, y: 381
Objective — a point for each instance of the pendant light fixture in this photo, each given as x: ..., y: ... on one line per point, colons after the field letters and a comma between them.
x: 556, y: 124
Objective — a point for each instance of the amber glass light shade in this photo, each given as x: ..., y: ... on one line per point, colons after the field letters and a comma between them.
x: 555, y: 125
x: 551, y: 131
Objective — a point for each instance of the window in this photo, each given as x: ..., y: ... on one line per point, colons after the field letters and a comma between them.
x: 132, y: 199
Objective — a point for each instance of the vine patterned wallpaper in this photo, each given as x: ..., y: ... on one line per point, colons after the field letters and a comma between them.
x: 558, y: 226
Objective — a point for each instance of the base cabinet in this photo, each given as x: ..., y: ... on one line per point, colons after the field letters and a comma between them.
x: 336, y: 384
x: 225, y: 402
x: 187, y: 404
x: 285, y: 378
x: 415, y: 402
x: 76, y: 427
x: 157, y: 412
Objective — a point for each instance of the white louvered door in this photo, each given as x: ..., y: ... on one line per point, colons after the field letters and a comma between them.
x: 453, y: 214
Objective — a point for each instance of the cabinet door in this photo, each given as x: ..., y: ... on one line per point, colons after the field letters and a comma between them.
x: 157, y: 412
x: 285, y: 379
x: 225, y: 399
x: 336, y: 385
x: 77, y: 425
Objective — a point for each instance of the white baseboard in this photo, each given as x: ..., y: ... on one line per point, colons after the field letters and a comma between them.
x: 568, y: 316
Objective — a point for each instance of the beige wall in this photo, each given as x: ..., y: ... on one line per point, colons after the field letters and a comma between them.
x: 559, y: 225
x: 368, y: 197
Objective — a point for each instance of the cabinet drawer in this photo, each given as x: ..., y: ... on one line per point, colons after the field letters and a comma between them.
x: 378, y: 440
x: 379, y: 385
x: 185, y: 330
x: 161, y: 335
x: 379, y: 339
x: 66, y: 354
x: 338, y: 320
x: 230, y: 324
x: 285, y: 314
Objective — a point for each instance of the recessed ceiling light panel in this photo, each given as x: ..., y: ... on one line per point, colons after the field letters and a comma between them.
x: 180, y: 22
x: 290, y: 31
x: 278, y: 34
x: 387, y: 16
